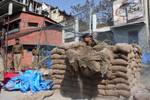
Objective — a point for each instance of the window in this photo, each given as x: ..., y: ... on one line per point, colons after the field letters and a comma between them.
x: 33, y: 25
x: 133, y: 37
x: 13, y: 27
x: 48, y: 23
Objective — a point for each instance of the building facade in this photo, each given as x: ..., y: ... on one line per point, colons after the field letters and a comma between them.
x: 131, y: 22
x: 29, y: 21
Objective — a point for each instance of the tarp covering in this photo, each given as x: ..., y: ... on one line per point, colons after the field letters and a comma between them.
x: 146, y: 58
x: 29, y: 80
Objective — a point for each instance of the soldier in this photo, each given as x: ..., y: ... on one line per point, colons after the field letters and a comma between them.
x: 88, y: 40
x: 17, y: 53
x: 35, y: 57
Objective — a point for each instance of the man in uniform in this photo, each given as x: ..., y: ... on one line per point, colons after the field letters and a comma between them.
x: 35, y: 57
x: 17, y: 53
x: 88, y: 40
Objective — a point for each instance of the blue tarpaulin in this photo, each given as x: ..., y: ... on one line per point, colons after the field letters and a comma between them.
x: 146, y: 58
x: 29, y: 81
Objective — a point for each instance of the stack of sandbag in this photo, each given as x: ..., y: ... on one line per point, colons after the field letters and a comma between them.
x: 119, y: 79
x: 116, y: 83
x: 124, y: 73
x: 58, y: 66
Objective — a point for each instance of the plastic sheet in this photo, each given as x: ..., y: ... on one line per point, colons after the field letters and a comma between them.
x: 146, y: 58
x: 29, y: 80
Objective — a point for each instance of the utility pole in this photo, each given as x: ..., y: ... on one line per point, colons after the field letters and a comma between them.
x: 90, y: 20
x: 77, y: 29
x: 91, y: 5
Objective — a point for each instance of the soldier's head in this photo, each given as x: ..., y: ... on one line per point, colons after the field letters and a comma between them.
x: 17, y: 40
x: 87, y: 38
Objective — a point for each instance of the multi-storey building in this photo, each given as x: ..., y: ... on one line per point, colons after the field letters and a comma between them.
x: 131, y: 22
x: 35, y: 23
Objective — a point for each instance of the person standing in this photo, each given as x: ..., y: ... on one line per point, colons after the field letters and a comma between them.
x: 35, y: 56
x: 18, y: 54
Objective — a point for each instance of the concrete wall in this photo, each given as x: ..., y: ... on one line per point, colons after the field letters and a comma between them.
x: 121, y: 35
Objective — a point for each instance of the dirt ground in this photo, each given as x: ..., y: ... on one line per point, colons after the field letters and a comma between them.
x: 5, y: 95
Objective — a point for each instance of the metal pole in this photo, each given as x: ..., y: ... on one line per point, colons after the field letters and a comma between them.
x: 90, y: 20
x: 77, y: 29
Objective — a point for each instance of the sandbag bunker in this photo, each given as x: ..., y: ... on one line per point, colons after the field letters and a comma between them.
x: 79, y: 71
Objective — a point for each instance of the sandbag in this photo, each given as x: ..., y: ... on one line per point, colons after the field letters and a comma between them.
x: 120, y: 56
x: 121, y: 75
x: 100, y: 46
x: 119, y: 62
x: 58, y: 61
x: 56, y: 76
x: 58, y: 72
x: 123, y: 93
x: 123, y: 48
x: 73, y: 45
x: 59, y: 67
x: 58, y: 51
x: 111, y: 93
x: 57, y: 81
x: 57, y: 56
x: 118, y: 80
x: 119, y: 68
x: 102, y: 92
x: 107, y: 87
x: 123, y: 87
x: 56, y: 86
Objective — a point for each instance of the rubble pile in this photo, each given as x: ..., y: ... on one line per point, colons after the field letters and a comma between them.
x: 100, y: 71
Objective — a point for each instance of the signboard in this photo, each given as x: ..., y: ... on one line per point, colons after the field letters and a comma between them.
x: 135, y: 9
x: 127, y: 10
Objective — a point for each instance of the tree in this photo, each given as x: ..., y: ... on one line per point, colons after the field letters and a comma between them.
x: 103, y: 10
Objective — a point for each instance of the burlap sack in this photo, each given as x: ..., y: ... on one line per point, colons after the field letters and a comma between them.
x: 133, y: 64
x: 56, y: 76
x: 122, y: 87
x: 118, y: 68
x: 123, y: 48
x: 118, y: 80
x: 57, y: 81
x: 57, y: 56
x: 58, y: 72
x: 111, y: 93
x: 120, y: 56
x: 58, y: 61
x: 123, y: 93
x: 56, y: 87
x: 59, y: 67
x: 131, y: 55
x: 119, y: 62
x: 73, y: 45
x: 137, y: 48
x: 106, y: 87
x: 120, y: 75
x: 100, y: 46
x: 102, y: 92
x: 58, y: 51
